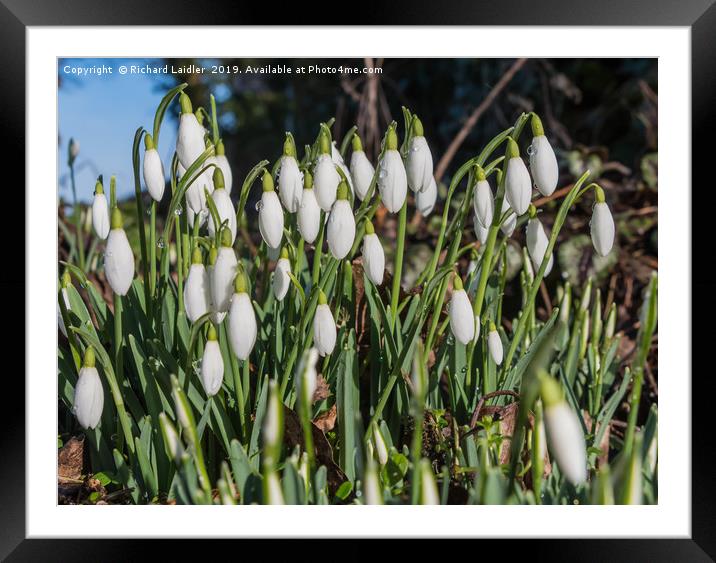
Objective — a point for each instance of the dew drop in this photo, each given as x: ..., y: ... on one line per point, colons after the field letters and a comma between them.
x: 531, y: 150
x: 179, y: 210
x: 148, y: 211
x: 259, y: 205
x: 383, y: 173
x: 160, y: 243
x: 415, y: 148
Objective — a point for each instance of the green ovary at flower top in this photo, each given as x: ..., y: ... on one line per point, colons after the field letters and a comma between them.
x: 241, y: 349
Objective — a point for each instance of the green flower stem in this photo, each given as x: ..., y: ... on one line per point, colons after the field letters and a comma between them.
x: 437, y: 308
x: 416, y: 447
x: 304, y: 409
x: 153, y: 248
x: 318, y: 251
x: 78, y: 219
x: 398, y: 268
x: 140, y: 211
x: 239, y: 391
x: 118, y: 361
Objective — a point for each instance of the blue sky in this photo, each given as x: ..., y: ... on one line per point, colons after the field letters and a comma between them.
x: 102, y: 113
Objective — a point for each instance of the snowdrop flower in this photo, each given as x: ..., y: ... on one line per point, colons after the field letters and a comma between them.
x: 197, y: 290
x: 89, y: 395
x: 307, y: 379
x: 73, y: 149
x: 372, y: 493
x: 212, y: 365
x: 324, y: 326
x: 481, y: 232
x: 428, y: 487
x: 392, y: 179
x: 100, y: 212
x: 65, y: 282
x: 425, y: 200
x: 190, y: 138
x: 326, y: 176
x: 494, y: 344
x: 420, y: 160
x: 508, y: 227
x: 602, y: 224
x: 281, y: 279
x: 118, y: 257
x: 338, y: 161
x: 242, y: 319
x: 272, y: 429
x: 172, y: 442
x: 518, y: 186
x: 223, y: 163
x: 153, y: 169
x: 564, y: 433
x: 483, y: 201
x: 290, y: 182
x: 224, y: 206
x: 362, y: 170
x: 270, y: 214
x: 373, y: 255
x: 309, y: 213
x: 341, y: 231
x: 537, y: 241
x: 381, y: 448
x: 543, y: 162
x: 462, y: 319
x: 216, y: 316
x: 223, y: 274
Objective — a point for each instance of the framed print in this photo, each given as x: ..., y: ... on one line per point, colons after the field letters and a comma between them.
x: 372, y: 281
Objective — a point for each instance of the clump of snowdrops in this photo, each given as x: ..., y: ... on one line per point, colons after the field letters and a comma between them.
x: 302, y: 372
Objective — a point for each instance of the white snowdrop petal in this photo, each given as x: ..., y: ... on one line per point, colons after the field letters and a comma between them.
x: 153, y: 172
x: 281, y: 280
x: 242, y: 325
x: 226, y: 212
x: 602, y: 228
x: 309, y: 216
x: 462, y: 319
x: 324, y: 330
x: 89, y: 398
x: 308, y: 374
x: 325, y: 182
x: 341, y: 230
x: 566, y: 441
x: 222, y: 279
x: 425, y: 200
x: 481, y: 232
x: 537, y: 243
x: 119, y: 262
x: 494, y: 345
x: 190, y: 140
x: 543, y: 164
x: 223, y: 163
x: 212, y: 368
x: 419, y: 167
x: 290, y: 184
x: 197, y: 292
x: 392, y: 181
x: 271, y: 219
x: 508, y: 227
x: 518, y: 186
x: 100, y: 216
x: 373, y: 258
x: 484, y: 203
x: 362, y: 173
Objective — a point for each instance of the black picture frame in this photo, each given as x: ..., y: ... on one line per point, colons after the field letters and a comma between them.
x: 699, y: 15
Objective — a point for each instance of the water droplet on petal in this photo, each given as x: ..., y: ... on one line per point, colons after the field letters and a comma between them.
x: 179, y: 210
x: 259, y: 205
x: 531, y: 150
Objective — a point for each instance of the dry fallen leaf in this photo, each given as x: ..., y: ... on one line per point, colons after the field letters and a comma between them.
x: 326, y: 421
x: 70, y: 460
x: 322, y: 390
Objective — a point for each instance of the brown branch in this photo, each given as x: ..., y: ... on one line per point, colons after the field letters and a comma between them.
x: 472, y: 120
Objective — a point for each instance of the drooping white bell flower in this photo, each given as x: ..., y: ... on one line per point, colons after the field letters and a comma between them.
x: 381, y: 448
x: 428, y: 486
x: 564, y: 433
x: 341, y: 231
x: 153, y: 169
x: 89, y: 395
x: 372, y: 493
x: 309, y: 213
x: 224, y: 206
x: 518, y: 186
x: 362, y: 170
x: 100, y: 212
x: 494, y: 344
x: 223, y: 163
x: 338, y: 161
x: 462, y: 319
x: 543, y: 162
x: 290, y: 180
x: 326, y: 177
x: 392, y: 178
x: 508, y: 227
x: 419, y: 166
x: 242, y: 319
x: 217, y: 316
x: 190, y: 138
x: 212, y: 365
x: 373, y: 255
x: 270, y: 214
x: 65, y: 282
x: 602, y: 224
x: 307, y: 376
x: 197, y: 290
x: 425, y: 200
x: 223, y: 275
x: 483, y: 202
x: 537, y: 242
x: 73, y: 149
x: 481, y: 232
x: 172, y: 441
x: 324, y: 326
x: 281, y: 279
x: 118, y: 257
